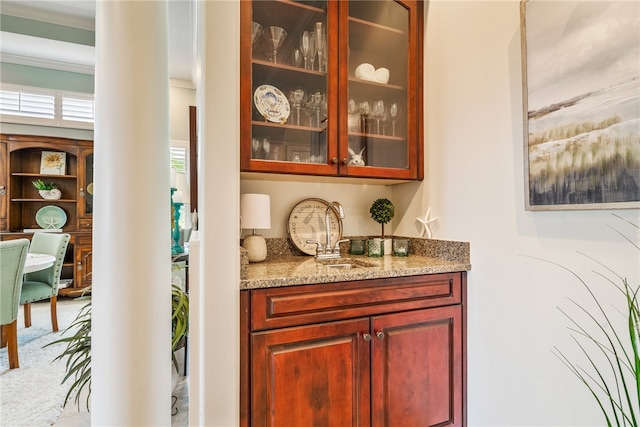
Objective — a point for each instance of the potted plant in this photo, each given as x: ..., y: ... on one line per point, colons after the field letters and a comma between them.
x: 48, y: 191
x: 382, y: 211
x: 78, y: 350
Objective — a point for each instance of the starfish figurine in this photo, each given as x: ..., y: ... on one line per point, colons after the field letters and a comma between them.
x: 426, y: 224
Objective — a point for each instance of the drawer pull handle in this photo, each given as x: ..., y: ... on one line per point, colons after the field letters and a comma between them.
x: 380, y: 335
x: 366, y: 337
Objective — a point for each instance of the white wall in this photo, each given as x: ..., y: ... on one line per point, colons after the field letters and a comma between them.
x: 474, y: 183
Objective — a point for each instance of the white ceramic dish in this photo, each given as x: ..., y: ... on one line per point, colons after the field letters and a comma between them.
x: 271, y: 103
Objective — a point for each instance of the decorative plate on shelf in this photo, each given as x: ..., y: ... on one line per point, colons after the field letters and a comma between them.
x: 271, y: 103
x: 51, y: 216
x: 306, y: 222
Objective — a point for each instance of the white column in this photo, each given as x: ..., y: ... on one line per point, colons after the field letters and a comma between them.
x: 218, y: 90
x: 131, y: 329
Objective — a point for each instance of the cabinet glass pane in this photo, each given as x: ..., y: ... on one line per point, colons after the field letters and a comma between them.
x: 88, y: 179
x: 289, y: 81
x: 378, y: 103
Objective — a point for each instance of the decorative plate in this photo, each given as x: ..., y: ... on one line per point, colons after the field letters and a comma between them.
x: 51, y: 216
x: 271, y: 103
x: 306, y: 222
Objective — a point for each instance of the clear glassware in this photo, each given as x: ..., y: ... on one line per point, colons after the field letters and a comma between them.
x: 317, y: 99
x: 255, y: 147
x: 266, y: 147
x: 393, y: 112
x: 297, y: 57
x: 296, y: 96
x: 364, y: 108
x: 312, y: 50
x: 308, y: 111
x: 275, y: 36
x: 256, y: 30
x: 319, y: 37
x: 378, y: 112
x: 304, y: 48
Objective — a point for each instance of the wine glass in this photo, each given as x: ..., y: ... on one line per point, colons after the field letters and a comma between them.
x: 297, y: 57
x: 275, y: 36
x: 317, y: 99
x: 304, y: 48
x: 266, y: 147
x: 319, y: 33
x: 312, y: 50
x: 296, y: 96
x: 393, y: 112
x: 364, y: 108
x: 378, y: 113
x: 256, y: 29
x: 255, y: 147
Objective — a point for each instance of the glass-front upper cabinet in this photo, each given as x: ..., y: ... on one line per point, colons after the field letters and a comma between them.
x: 331, y: 88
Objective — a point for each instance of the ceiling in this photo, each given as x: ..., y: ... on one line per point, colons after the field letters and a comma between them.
x: 28, y: 50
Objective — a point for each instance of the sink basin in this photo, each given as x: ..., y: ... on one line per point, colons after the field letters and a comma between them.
x: 344, y: 263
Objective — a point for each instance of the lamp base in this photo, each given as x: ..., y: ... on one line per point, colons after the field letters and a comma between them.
x: 256, y: 247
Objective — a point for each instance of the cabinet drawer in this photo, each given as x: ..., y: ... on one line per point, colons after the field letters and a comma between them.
x: 83, y: 239
x: 300, y: 305
x: 85, y: 224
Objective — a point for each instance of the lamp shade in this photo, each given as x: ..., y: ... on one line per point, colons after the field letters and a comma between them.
x: 255, y: 211
x: 181, y: 185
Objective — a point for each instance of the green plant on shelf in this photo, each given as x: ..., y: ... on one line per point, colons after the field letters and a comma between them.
x: 41, y: 185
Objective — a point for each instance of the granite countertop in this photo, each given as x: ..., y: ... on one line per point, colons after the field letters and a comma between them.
x: 285, y: 267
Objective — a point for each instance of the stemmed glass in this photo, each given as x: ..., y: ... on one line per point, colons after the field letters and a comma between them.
x: 312, y: 50
x: 364, y: 109
x: 319, y: 33
x: 378, y: 113
x: 256, y: 29
x: 255, y: 147
x: 304, y: 48
x: 296, y: 96
x: 316, y: 100
x: 393, y: 112
x: 275, y: 36
x: 266, y: 147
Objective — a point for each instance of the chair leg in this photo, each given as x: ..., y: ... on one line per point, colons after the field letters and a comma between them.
x: 12, y: 343
x: 54, y: 313
x: 26, y: 307
x: 3, y: 336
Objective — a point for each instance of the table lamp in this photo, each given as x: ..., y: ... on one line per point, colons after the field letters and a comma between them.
x: 179, y: 197
x: 255, y: 213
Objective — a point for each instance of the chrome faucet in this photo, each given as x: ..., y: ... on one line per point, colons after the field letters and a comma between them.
x: 328, y: 252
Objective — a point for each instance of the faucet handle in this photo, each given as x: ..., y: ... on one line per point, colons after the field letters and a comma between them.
x: 336, y: 247
x: 319, y: 249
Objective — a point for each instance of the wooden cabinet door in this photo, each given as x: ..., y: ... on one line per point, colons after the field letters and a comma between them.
x: 417, y: 368
x: 84, y: 261
x: 316, y: 375
x: 4, y: 194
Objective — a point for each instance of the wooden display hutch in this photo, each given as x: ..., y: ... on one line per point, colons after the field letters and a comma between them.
x: 334, y: 110
x: 20, y: 202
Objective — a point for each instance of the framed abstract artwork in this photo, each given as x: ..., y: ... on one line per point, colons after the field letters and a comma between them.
x: 581, y: 92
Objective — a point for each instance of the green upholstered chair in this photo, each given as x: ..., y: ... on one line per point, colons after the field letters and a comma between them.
x: 43, y: 284
x: 13, y: 254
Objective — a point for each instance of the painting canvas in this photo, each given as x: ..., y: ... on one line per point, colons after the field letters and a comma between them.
x: 53, y: 163
x: 581, y: 74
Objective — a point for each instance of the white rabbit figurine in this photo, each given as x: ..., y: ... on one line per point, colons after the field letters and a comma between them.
x: 356, y: 159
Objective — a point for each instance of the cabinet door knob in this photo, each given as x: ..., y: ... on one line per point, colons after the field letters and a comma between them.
x: 81, y: 192
x: 79, y: 266
x: 2, y: 190
x: 380, y: 335
x: 345, y: 161
x: 366, y: 337
x: 334, y: 160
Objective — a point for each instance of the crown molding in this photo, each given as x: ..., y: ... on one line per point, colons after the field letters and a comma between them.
x: 46, y: 53
x: 24, y: 10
